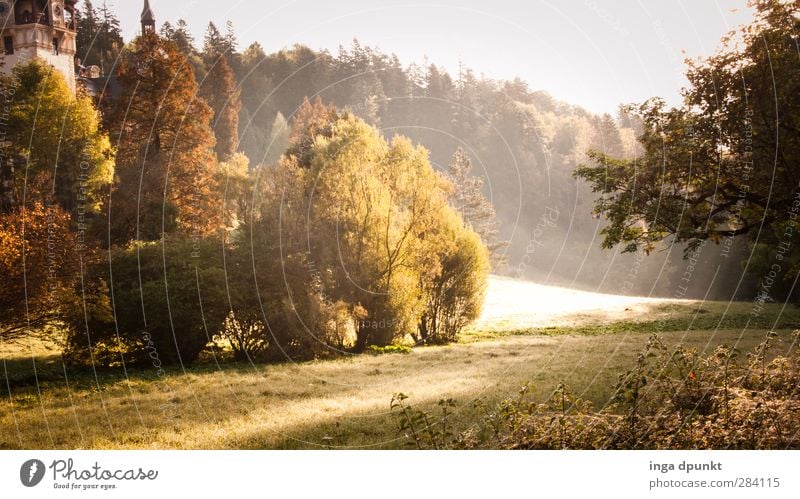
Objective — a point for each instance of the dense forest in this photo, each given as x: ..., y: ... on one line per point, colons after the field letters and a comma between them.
x: 255, y: 214
x: 339, y: 202
x: 524, y: 144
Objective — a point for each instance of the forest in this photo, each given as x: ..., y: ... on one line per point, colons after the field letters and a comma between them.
x: 524, y: 144
x: 214, y: 205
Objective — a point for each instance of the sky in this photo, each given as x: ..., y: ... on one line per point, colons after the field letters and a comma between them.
x: 593, y: 53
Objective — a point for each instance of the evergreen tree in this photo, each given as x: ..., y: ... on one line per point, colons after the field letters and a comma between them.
x: 214, y: 43
x: 179, y: 35
x: 278, y: 139
x: 468, y: 200
x: 608, y: 139
x: 220, y: 91
x: 99, y: 38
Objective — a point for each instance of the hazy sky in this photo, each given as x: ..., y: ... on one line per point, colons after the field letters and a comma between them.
x: 596, y: 53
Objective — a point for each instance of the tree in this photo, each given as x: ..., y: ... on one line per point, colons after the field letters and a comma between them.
x: 180, y: 36
x: 725, y: 163
x: 310, y: 121
x: 165, y: 160
x: 99, y: 37
x: 608, y: 138
x: 214, y: 43
x: 454, y: 295
x: 169, y: 301
x: 278, y: 138
x: 220, y: 91
x: 346, y: 236
x: 374, y: 204
x: 39, y: 262
x: 68, y: 159
x: 468, y: 200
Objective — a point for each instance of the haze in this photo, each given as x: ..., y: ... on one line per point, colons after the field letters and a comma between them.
x: 587, y: 52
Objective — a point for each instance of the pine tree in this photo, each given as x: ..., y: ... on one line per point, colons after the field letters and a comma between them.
x: 608, y: 139
x: 230, y: 42
x: 165, y: 157
x: 99, y: 38
x: 179, y: 35
x: 220, y: 91
x: 468, y: 200
x: 278, y: 139
x: 214, y: 43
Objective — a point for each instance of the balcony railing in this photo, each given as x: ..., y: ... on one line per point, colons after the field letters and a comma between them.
x: 43, y: 20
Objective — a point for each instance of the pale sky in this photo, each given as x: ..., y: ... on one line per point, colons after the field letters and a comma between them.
x: 594, y: 53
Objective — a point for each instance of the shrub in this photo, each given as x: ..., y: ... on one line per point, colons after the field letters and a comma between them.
x: 246, y: 335
x: 454, y: 296
x: 169, y: 299
x: 670, y: 399
x: 348, y: 237
x: 39, y: 261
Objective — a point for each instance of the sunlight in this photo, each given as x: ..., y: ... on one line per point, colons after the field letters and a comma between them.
x: 517, y: 303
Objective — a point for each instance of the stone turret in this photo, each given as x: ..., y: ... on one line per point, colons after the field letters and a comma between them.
x: 39, y: 28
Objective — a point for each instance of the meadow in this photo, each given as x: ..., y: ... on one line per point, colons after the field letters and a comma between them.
x: 345, y: 402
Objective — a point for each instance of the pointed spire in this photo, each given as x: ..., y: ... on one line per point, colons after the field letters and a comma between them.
x: 148, y: 18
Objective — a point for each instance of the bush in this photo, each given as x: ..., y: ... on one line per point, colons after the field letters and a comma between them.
x: 348, y: 238
x: 455, y: 295
x: 246, y: 336
x: 169, y: 299
x: 671, y: 399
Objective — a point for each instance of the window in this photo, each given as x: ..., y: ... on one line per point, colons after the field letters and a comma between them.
x: 55, y: 46
x: 8, y: 42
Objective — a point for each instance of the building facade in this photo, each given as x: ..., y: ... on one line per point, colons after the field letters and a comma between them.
x: 39, y: 28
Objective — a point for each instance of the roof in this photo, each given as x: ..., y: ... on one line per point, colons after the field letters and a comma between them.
x: 147, y: 13
x: 102, y: 87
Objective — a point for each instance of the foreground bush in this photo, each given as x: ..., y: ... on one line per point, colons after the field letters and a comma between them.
x: 454, y: 295
x: 668, y: 400
x: 169, y: 299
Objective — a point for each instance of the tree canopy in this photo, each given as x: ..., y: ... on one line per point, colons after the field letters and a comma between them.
x: 726, y: 162
x: 165, y: 159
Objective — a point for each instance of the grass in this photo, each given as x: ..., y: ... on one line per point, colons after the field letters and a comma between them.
x: 342, y: 402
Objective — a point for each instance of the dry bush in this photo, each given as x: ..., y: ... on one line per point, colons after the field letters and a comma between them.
x: 670, y: 399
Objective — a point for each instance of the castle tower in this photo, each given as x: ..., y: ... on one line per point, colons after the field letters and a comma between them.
x: 39, y: 28
x: 148, y: 19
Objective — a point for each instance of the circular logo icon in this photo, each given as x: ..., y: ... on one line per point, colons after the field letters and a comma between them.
x: 31, y: 472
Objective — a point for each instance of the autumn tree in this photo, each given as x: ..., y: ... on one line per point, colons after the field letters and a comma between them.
x: 68, y: 160
x: 346, y: 239
x: 310, y: 121
x: 166, y: 163
x: 454, y: 294
x: 39, y: 262
x: 374, y: 205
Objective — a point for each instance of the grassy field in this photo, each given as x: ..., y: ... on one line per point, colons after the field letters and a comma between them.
x: 345, y: 402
